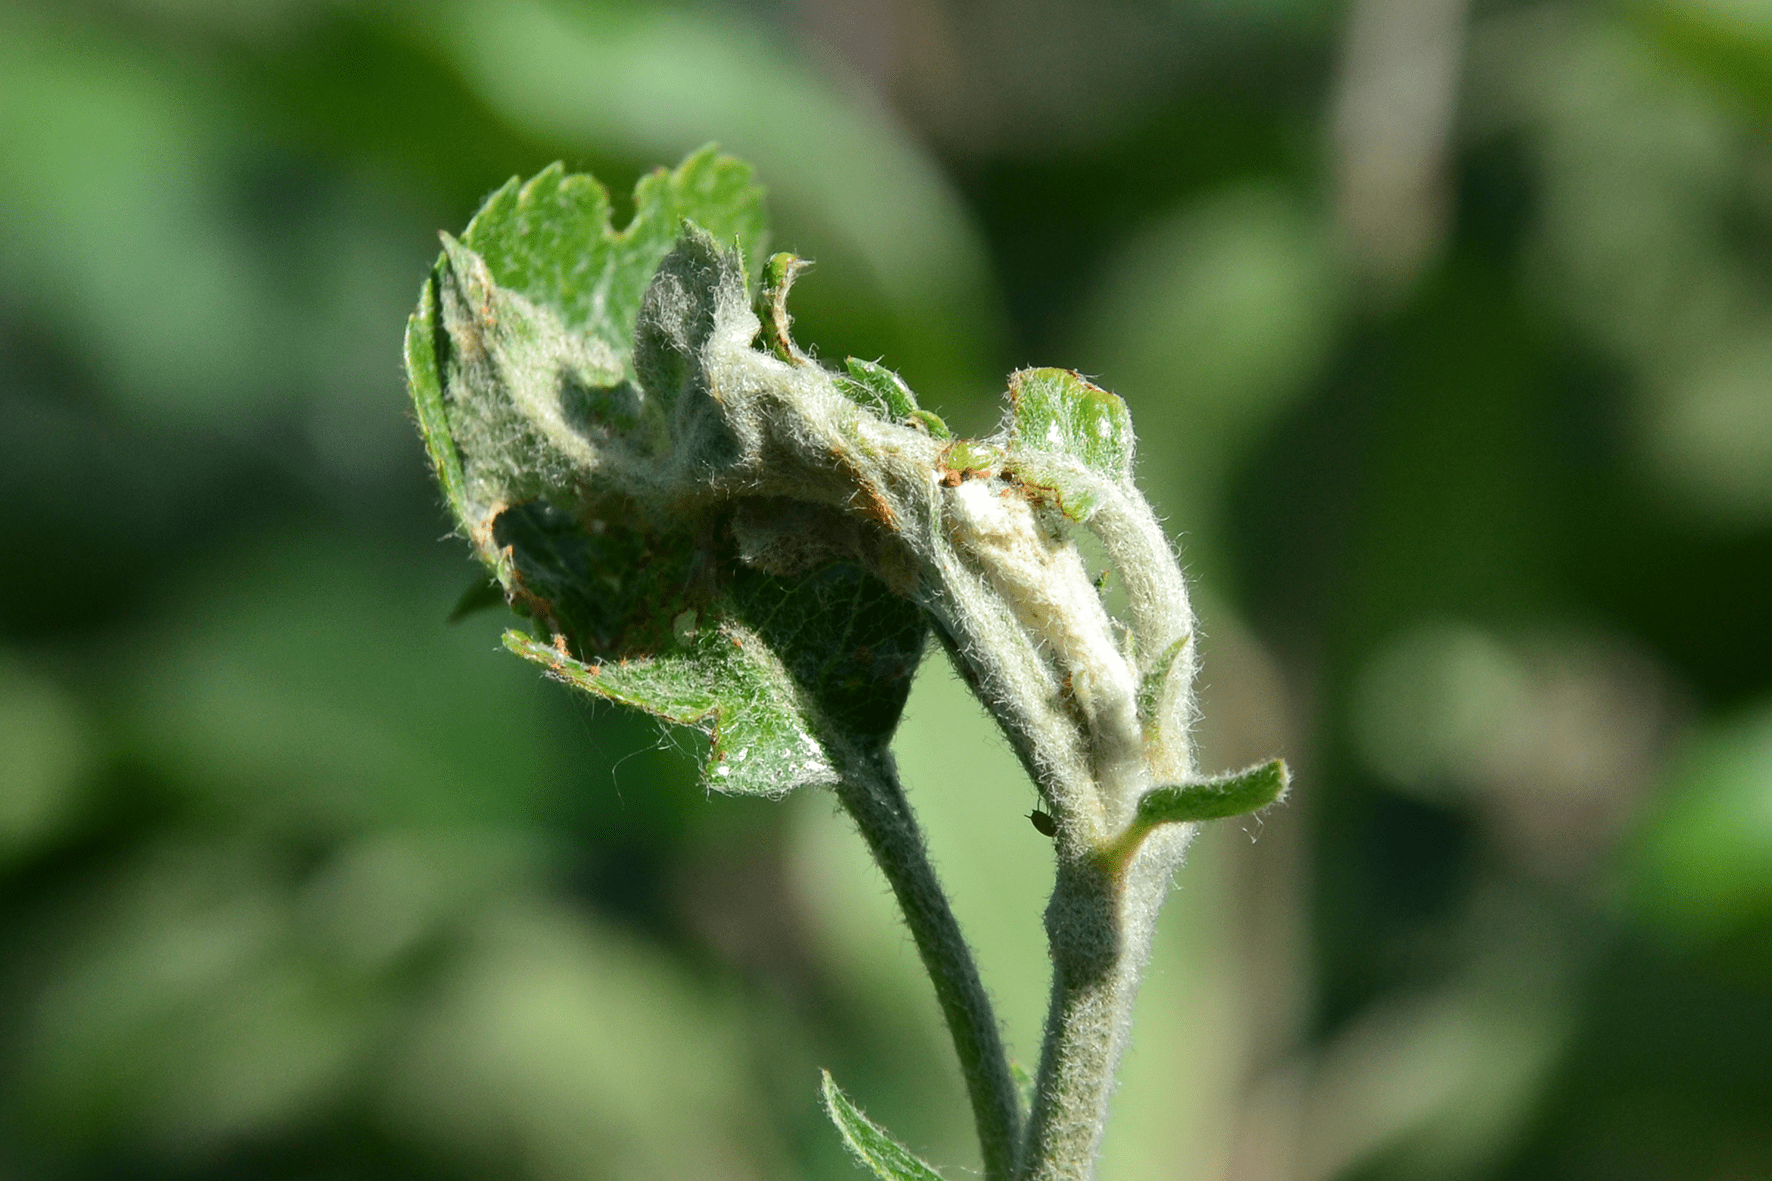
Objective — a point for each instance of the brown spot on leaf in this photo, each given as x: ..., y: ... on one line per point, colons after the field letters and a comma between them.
x: 877, y: 508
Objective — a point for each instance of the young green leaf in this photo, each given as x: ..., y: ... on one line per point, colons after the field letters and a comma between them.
x: 1155, y: 683
x: 549, y: 238
x: 424, y: 380
x: 1068, y: 437
x: 779, y: 274
x: 1239, y: 792
x: 965, y: 459
x: 1059, y: 413
x: 878, y: 388
x: 932, y: 422
x: 559, y: 370
x: 1248, y: 790
x: 776, y: 671
x: 872, y: 1145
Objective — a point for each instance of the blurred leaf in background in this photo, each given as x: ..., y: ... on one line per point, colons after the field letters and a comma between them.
x: 1448, y: 326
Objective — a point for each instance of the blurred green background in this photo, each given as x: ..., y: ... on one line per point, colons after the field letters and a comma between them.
x: 1448, y: 330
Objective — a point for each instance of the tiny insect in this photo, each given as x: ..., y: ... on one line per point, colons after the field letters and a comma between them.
x: 1044, y: 822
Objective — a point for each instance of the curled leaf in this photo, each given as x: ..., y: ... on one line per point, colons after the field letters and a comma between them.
x: 564, y: 375
x: 778, y: 280
x: 1068, y: 437
x: 879, y: 389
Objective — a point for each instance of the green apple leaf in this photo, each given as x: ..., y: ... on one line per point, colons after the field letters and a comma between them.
x: 1248, y: 790
x: 878, y: 388
x: 872, y: 1145
x: 1153, y: 687
x: 782, y: 674
x: 1068, y: 437
x: 559, y: 369
x: 549, y: 238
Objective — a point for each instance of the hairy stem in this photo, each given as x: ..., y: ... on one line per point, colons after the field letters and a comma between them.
x: 1099, y: 924
x: 875, y: 800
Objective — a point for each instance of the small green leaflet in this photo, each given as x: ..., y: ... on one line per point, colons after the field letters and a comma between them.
x: 1248, y: 790
x: 775, y: 670
x: 868, y: 384
x: 525, y: 330
x: 1068, y: 437
x: 1242, y: 791
x: 966, y: 458
x: 872, y: 1145
x: 1060, y: 413
x: 779, y: 274
x: 1155, y: 682
x: 878, y: 388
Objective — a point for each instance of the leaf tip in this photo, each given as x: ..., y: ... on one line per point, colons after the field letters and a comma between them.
x: 1240, y: 792
x: 871, y: 1144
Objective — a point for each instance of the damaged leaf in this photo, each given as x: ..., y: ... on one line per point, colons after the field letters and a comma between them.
x: 560, y: 372
x: 1068, y: 437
